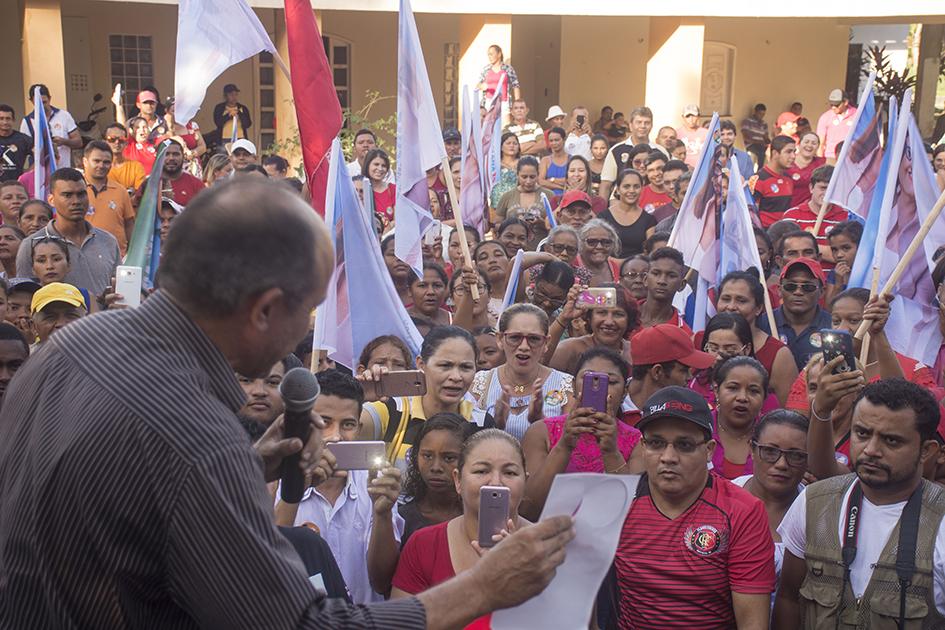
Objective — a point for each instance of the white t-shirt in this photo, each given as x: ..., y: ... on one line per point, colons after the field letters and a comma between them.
x: 877, y: 523
x: 578, y: 145
x: 61, y: 124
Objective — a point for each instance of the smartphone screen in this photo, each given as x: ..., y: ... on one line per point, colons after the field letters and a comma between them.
x: 835, y: 343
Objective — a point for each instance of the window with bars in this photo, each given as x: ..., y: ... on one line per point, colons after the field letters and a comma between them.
x: 450, y: 84
x: 267, y: 100
x: 132, y: 65
x: 338, y: 52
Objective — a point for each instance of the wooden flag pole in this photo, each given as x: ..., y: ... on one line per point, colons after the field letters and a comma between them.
x: 906, y: 257
x: 865, y: 347
x: 460, y: 226
x: 769, y: 311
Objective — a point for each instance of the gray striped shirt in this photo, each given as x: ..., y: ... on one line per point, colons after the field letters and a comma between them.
x: 130, y: 497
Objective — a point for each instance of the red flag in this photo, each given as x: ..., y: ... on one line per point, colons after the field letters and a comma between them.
x: 316, y: 102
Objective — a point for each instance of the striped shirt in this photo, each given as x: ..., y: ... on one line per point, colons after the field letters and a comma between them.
x: 130, y: 496
x: 557, y: 389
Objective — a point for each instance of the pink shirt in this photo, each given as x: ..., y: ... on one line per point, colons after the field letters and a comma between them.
x: 693, y: 139
x: 834, y: 128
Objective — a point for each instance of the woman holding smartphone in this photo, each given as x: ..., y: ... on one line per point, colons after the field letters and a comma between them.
x: 437, y: 553
x: 584, y: 440
x: 609, y: 328
x: 522, y: 391
x: 448, y: 363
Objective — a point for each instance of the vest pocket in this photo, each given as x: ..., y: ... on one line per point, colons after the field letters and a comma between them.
x: 884, y: 610
x: 821, y: 594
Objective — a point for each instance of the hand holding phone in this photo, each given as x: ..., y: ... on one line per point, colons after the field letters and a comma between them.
x: 594, y: 391
x: 835, y: 343
x: 396, y: 383
x: 357, y: 455
x: 128, y: 285
x: 601, y: 297
x: 493, y: 513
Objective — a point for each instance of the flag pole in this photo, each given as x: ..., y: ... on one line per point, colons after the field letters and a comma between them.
x: 769, y: 310
x: 906, y: 257
x: 460, y: 226
x: 281, y: 63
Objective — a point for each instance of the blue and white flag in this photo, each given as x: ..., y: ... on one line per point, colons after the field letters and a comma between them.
x: 362, y: 302
x: 419, y: 143
x: 858, y: 166
x: 212, y: 35
x: 472, y: 198
x: 43, y: 148
x: 737, y: 247
x: 512, y: 288
x: 549, y: 213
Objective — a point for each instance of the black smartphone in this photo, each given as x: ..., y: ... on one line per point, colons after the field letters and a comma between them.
x: 835, y: 343
x: 581, y: 119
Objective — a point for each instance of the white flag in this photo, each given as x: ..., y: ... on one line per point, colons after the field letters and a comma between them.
x: 212, y: 35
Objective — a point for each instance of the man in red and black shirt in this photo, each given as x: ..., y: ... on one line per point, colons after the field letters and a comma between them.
x: 695, y: 550
x: 774, y: 187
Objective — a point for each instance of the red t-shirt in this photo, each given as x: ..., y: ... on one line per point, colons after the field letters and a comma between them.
x: 143, y: 153
x: 425, y: 562
x: 650, y: 200
x: 185, y: 188
x: 772, y: 196
x: 801, y: 179
x: 806, y: 219
x: 384, y: 203
x: 680, y: 573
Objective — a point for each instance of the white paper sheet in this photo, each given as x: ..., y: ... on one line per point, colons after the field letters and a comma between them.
x: 599, y: 505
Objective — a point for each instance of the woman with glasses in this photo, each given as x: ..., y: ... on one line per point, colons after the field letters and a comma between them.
x: 599, y: 242
x: 741, y: 292
x: 468, y: 312
x: 779, y: 452
x: 522, y: 390
x: 741, y: 385
x: 511, y: 151
x: 583, y: 440
x: 633, y: 224
x: 526, y: 194
x: 562, y: 243
x: 633, y: 273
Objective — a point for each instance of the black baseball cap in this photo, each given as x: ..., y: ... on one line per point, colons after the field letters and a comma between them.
x: 677, y: 402
x: 451, y: 133
x: 230, y: 87
x: 27, y: 285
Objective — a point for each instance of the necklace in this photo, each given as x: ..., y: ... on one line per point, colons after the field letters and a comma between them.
x: 516, y: 389
x: 738, y: 436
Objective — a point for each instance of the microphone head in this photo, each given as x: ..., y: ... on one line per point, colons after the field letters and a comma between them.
x: 299, y: 389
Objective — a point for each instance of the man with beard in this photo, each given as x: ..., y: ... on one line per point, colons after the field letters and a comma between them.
x: 867, y: 549
x: 183, y: 186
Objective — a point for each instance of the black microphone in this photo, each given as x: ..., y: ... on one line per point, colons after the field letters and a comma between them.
x: 299, y: 389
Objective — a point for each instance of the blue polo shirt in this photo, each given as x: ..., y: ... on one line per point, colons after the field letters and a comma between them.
x: 803, y: 346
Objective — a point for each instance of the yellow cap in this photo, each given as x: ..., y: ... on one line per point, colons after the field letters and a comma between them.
x: 56, y: 292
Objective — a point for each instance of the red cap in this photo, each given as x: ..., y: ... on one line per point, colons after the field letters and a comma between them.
x: 808, y: 263
x: 667, y: 342
x: 573, y: 196
x: 146, y: 95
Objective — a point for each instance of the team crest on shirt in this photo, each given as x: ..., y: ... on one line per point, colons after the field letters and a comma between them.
x: 775, y: 188
x: 704, y: 540
x: 815, y: 340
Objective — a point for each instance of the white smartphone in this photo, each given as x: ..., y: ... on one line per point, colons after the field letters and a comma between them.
x: 128, y: 285
x: 357, y: 455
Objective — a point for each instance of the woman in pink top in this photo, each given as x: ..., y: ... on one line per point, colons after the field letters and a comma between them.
x: 805, y: 162
x: 583, y: 440
x: 495, y: 72
x: 740, y: 386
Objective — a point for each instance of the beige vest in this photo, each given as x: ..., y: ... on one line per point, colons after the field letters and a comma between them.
x: 878, y: 609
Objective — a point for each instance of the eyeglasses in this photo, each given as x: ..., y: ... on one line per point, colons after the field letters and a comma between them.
x: 771, y: 454
x: 805, y: 287
x: 606, y: 243
x: 658, y: 445
x: 559, y: 248
x: 554, y: 302
x: 716, y: 349
x: 633, y: 275
x: 515, y: 340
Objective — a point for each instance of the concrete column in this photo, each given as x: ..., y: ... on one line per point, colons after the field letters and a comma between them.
x: 674, y: 69
x: 476, y: 34
x: 43, y: 58
x: 930, y: 50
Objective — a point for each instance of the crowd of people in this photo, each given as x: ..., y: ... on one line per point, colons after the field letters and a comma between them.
x: 777, y: 483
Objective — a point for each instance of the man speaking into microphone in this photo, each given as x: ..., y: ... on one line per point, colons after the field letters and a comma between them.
x: 130, y: 495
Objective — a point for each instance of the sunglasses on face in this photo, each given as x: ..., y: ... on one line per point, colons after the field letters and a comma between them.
x: 558, y: 248
x: 730, y: 350
x: 633, y: 275
x: 658, y: 445
x: 771, y: 454
x: 805, y: 287
x: 594, y: 243
x: 515, y: 340
x: 115, y: 139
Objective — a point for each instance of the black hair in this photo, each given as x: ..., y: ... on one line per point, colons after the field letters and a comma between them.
x: 656, y: 156
x: 599, y: 137
x: 43, y: 90
x: 796, y: 234
x: 9, y: 332
x: 779, y: 142
x: 721, y: 372
x: 675, y: 165
x: 685, y: 178
x: 558, y: 130
x: 730, y: 321
x: 779, y: 228
x: 432, y: 266
x: 509, y: 223
x: 898, y: 393
x: 506, y: 136
x: 294, y: 183
x: 523, y: 309
x: 245, y: 236
x: 36, y: 202
x: 558, y: 273
x: 281, y: 164
x: 253, y: 168
x: 438, y: 334
x: 458, y: 277
x: 526, y: 160
x: 782, y: 418
x: 116, y: 125
x: 821, y: 175
x: 66, y: 174
x: 335, y: 383
x: 371, y: 155
x: 363, y: 131
x: 637, y: 150
x: 587, y: 169
x: 96, y: 145
x: 453, y: 423
x: 6, y: 108
x: 470, y: 231
x: 290, y: 361
x: 486, y: 243
x: 727, y: 125
x: 667, y: 252
x: 859, y: 294
x: 624, y: 174
x: 377, y: 342
x: 49, y: 240
x: 488, y: 434
x: 602, y: 352
x: 852, y: 229
x: 304, y: 347
x: 751, y: 279
x: 763, y: 235
x: 639, y: 371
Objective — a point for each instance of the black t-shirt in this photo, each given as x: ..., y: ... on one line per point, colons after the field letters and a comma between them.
x: 318, y: 560
x: 631, y: 236
x: 413, y: 520
x: 14, y: 149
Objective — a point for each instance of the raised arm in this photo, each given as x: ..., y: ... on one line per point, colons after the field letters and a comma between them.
x: 383, y: 548
x: 831, y: 389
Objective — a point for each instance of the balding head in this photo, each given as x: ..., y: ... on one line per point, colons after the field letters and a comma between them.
x: 248, y: 260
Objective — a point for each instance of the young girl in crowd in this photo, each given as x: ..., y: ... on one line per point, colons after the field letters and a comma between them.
x: 377, y: 168
x: 491, y: 354
x: 50, y: 257
x: 582, y: 440
x: 388, y: 351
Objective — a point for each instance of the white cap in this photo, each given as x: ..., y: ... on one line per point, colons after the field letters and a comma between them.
x: 553, y: 112
x: 835, y: 96
x: 690, y: 110
x: 244, y: 144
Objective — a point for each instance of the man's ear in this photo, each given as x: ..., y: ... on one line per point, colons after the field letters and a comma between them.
x: 262, y: 306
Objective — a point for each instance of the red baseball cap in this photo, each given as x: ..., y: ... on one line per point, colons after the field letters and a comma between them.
x: 667, y: 342
x: 808, y: 263
x: 146, y: 95
x: 574, y: 196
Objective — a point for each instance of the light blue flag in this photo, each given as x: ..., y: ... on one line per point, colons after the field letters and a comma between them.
x: 861, y: 274
x: 419, y: 143
x: 549, y: 213
x: 43, y: 148
x: 362, y: 302
x: 509, y: 298
x: 737, y: 248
